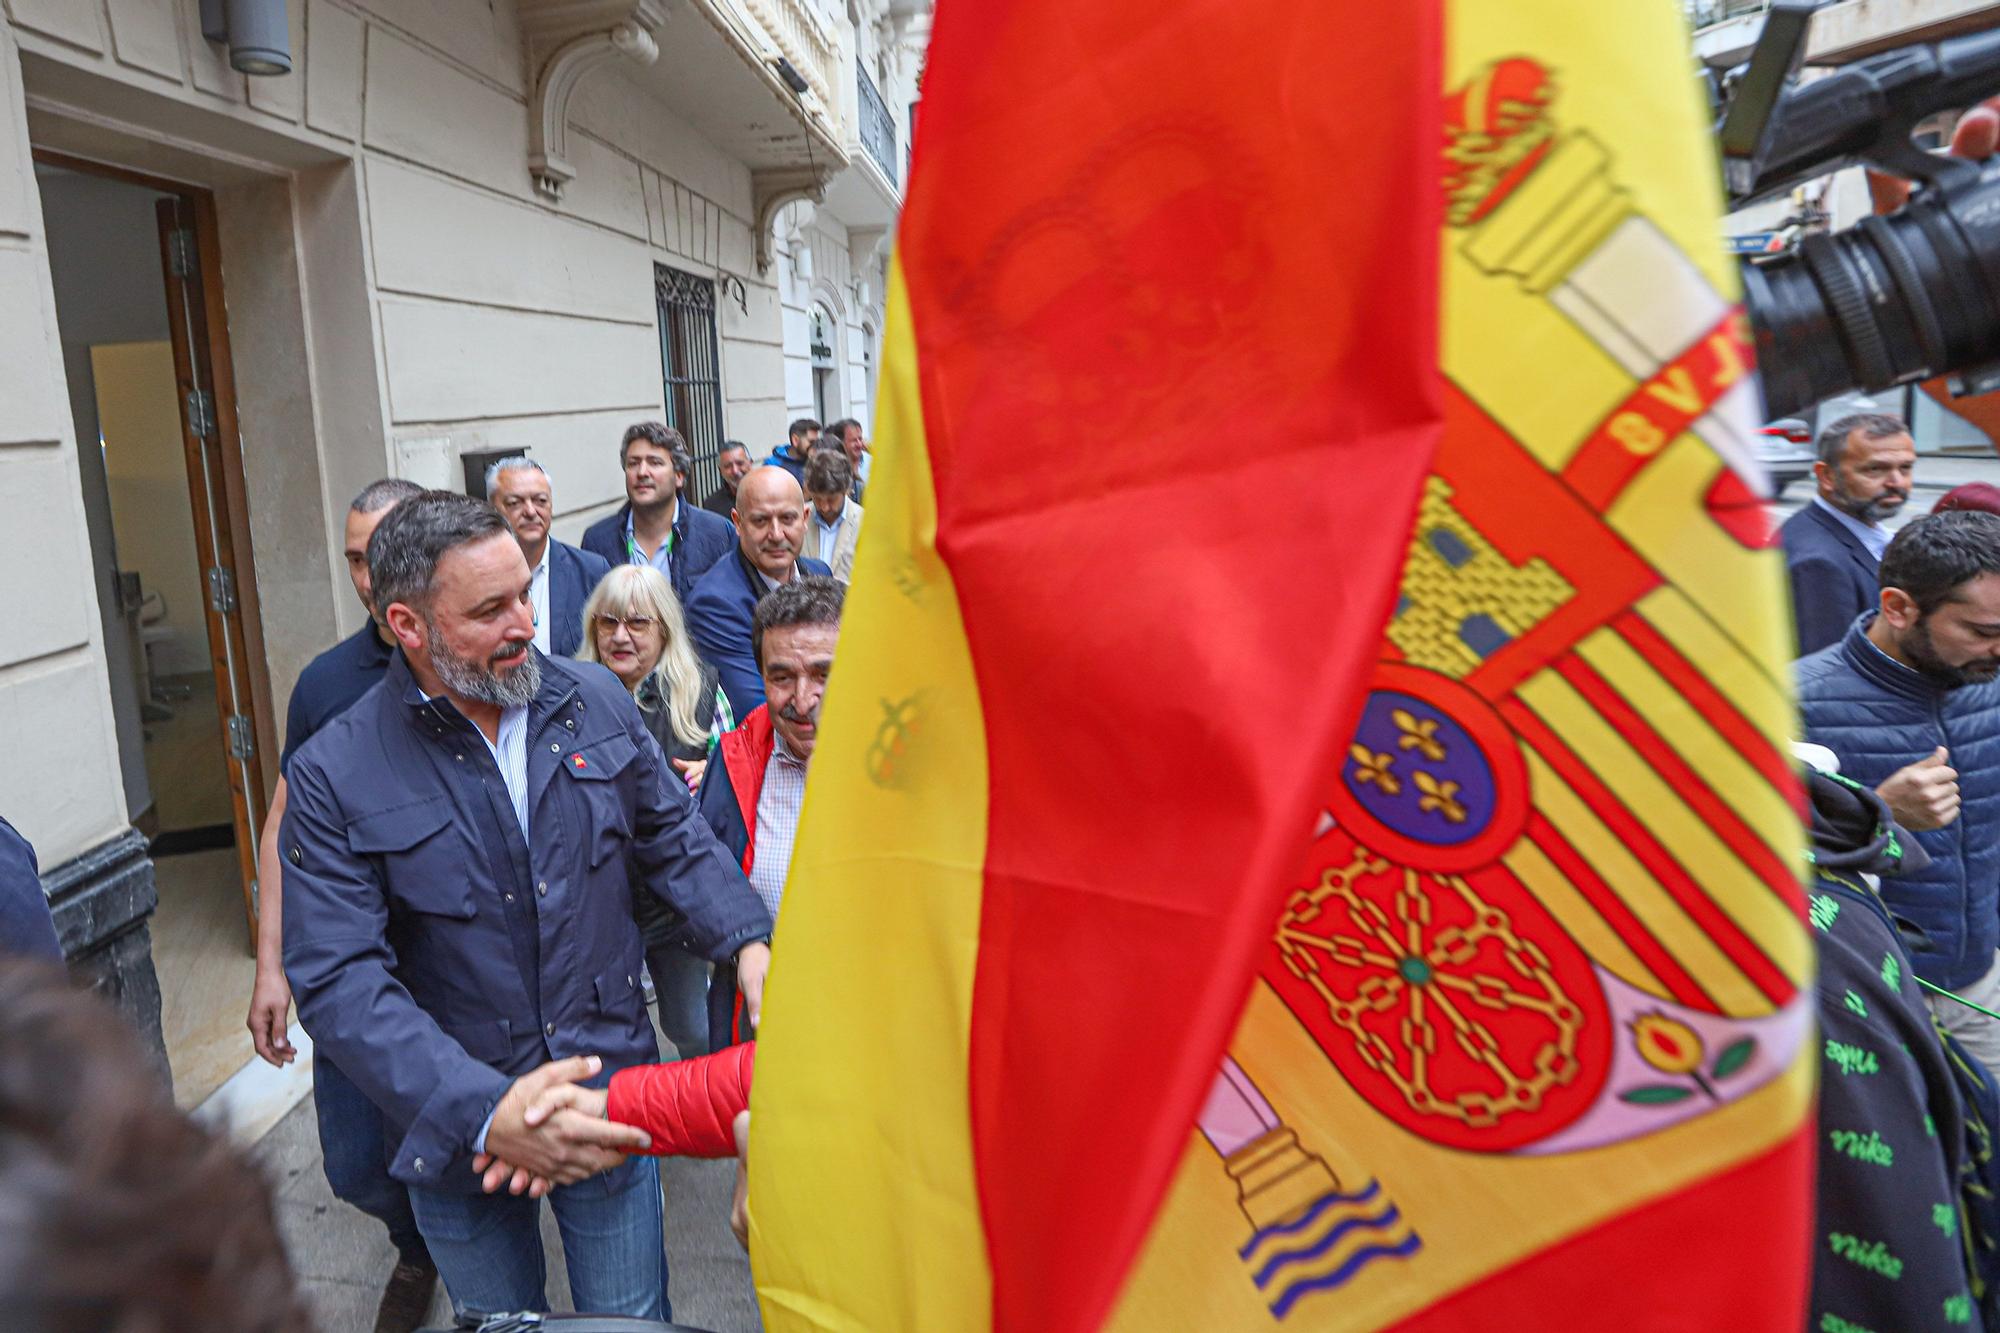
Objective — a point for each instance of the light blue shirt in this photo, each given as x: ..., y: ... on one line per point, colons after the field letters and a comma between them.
x: 662, y: 559
x: 829, y: 533
x: 510, y: 755
x: 1873, y: 536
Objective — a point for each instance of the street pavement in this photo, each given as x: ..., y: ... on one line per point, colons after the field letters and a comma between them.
x: 343, y: 1256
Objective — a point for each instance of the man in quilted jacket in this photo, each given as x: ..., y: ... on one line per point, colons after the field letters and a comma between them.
x: 1909, y: 701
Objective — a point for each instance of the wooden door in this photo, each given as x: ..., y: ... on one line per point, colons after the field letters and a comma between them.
x: 206, y: 394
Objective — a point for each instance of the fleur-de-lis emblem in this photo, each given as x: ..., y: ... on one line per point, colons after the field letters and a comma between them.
x: 1370, y: 766
x: 1439, y: 796
x: 1419, y: 734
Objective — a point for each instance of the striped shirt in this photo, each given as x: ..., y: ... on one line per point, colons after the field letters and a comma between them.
x: 777, y: 823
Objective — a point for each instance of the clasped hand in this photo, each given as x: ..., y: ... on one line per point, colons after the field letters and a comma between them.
x: 548, y: 1131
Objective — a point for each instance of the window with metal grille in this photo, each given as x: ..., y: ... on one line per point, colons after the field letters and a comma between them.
x: 691, y: 362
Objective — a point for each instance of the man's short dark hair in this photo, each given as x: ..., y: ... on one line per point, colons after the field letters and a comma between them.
x: 1872, y: 425
x: 812, y: 599
x: 379, y: 495
x: 118, y: 1211
x: 403, y: 554
x: 660, y: 435
x: 1933, y: 555
x: 838, y: 430
x: 803, y: 426
x: 829, y: 473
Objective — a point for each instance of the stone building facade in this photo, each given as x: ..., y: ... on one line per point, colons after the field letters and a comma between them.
x: 454, y: 228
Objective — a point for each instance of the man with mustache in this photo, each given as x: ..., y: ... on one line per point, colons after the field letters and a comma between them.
x: 733, y: 462
x: 461, y: 848
x: 770, y: 532
x: 1909, y: 700
x: 1833, y: 546
x: 757, y: 781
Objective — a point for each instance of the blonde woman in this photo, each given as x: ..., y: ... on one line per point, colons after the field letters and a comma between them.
x: 632, y: 624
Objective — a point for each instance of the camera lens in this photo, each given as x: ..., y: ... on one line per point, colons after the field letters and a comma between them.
x: 1888, y: 301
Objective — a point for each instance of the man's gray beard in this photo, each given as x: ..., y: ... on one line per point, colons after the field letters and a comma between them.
x: 1868, y: 511
x: 481, y: 683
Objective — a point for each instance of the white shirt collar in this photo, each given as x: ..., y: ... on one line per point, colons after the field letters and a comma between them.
x: 1873, y: 536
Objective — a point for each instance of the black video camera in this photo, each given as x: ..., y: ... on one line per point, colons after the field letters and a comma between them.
x: 1890, y: 300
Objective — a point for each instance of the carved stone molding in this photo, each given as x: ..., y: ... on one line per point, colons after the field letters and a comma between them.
x: 566, y: 40
x: 864, y: 249
x: 771, y: 190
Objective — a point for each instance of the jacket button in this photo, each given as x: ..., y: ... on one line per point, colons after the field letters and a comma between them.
x: 628, y: 978
x: 543, y: 888
x: 554, y: 748
x: 550, y: 1029
x: 419, y: 1165
x: 297, y: 855
x: 570, y: 723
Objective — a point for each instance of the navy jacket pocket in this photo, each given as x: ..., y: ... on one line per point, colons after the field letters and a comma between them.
x: 426, y: 861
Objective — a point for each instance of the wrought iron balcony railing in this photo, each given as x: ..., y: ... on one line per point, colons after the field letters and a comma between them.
x: 1708, y: 13
x: 877, y: 126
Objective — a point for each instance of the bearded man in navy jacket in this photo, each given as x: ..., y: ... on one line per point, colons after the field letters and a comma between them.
x: 1909, y: 700
x: 461, y: 849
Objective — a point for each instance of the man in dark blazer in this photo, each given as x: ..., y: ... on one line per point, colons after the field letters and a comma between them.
x: 771, y: 523
x: 654, y: 527
x: 1833, y: 546
x: 564, y: 576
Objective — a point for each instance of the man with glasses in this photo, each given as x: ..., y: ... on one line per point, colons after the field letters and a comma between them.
x: 564, y: 576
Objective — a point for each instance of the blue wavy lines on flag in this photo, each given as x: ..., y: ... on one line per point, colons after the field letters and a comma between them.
x: 1307, y: 1218
x: 1327, y: 1244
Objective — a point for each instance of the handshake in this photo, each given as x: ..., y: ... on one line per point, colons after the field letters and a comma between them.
x: 549, y: 1130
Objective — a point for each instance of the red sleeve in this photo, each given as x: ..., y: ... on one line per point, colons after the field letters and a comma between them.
x: 689, y: 1106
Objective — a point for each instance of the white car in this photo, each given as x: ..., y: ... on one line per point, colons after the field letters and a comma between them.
x: 1785, y: 448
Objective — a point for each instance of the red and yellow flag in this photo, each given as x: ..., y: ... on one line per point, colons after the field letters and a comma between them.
x: 1304, y: 561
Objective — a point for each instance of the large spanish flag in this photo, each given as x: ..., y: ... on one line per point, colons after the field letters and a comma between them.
x: 1308, y: 611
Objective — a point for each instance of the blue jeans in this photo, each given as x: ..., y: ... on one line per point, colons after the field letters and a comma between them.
x: 488, y: 1247
x: 354, y: 1150
x: 680, y: 983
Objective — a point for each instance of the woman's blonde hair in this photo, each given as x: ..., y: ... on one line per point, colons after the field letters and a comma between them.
x: 641, y: 590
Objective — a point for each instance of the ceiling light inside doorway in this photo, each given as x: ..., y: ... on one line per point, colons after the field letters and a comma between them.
x: 257, y: 32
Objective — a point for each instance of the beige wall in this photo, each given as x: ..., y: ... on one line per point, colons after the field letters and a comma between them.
x: 52, y: 673
x: 145, y: 464
x: 431, y: 303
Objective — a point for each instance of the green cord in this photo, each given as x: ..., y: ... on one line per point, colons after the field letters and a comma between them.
x: 1953, y: 995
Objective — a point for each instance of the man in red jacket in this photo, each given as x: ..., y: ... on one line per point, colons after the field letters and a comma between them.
x: 751, y: 797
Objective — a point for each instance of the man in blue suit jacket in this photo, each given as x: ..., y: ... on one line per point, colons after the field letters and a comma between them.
x: 1833, y: 547
x: 653, y: 527
x: 461, y: 849
x: 771, y: 521
x: 564, y: 577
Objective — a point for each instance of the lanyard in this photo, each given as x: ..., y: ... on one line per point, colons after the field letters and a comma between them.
x: 634, y: 556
